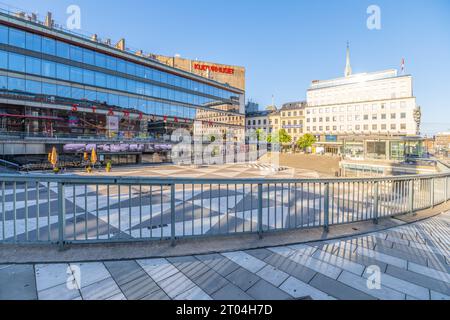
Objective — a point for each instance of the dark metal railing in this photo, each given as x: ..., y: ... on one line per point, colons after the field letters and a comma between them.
x: 74, y: 209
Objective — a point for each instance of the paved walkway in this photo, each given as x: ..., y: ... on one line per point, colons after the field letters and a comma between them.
x: 414, y: 261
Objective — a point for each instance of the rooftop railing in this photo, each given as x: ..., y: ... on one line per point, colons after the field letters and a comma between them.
x: 63, y: 209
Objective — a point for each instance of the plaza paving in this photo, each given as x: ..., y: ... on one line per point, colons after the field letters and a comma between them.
x: 414, y: 261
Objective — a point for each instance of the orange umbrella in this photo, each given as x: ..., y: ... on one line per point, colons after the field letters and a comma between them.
x: 54, y: 157
x: 94, y: 156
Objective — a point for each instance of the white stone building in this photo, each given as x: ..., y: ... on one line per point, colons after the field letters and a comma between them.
x: 377, y: 103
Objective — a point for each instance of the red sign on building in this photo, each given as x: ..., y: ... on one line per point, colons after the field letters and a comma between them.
x: 204, y: 67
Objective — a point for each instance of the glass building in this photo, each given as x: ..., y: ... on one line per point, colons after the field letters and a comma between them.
x: 57, y: 85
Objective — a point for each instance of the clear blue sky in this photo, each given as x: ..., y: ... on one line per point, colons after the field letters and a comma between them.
x: 284, y: 44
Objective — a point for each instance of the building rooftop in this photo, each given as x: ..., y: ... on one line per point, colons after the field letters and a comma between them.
x: 354, y: 78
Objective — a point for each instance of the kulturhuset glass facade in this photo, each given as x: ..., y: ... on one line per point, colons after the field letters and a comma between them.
x: 41, y: 68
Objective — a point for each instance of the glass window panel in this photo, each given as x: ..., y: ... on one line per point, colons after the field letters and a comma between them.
x: 76, y: 53
x: 33, y: 65
x: 88, y: 77
x: 131, y: 68
x: 140, y: 88
x: 121, y: 84
x: 164, y: 93
x: 48, y: 69
x: 121, y: 66
x: 140, y: 71
x: 156, y: 75
x: 16, y: 62
x: 142, y: 105
x: 171, y: 79
x: 62, y: 50
x: 48, y: 46
x: 148, y: 73
x: 100, y: 79
x: 133, y: 103
x: 49, y: 89
x: 77, y: 93
x: 177, y: 81
x: 88, y: 57
x: 16, y: 38
x: 4, y: 34
x: 148, y: 90
x: 111, y: 63
x: 163, y: 77
x: 100, y: 60
x: 102, y: 97
x: 76, y: 74
x: 123, y: 101
x: 33, y: 87
x: 111, y: 82
x: 16, y: 84
x: 33, y: 42
x: 131, y: 86
x: 3, y: 60
x: 113, y: 99
x: 62, y: 72
x: 3, y: 82
x: 64, y: 91
x: 90, y: 95
x: 156, y: 92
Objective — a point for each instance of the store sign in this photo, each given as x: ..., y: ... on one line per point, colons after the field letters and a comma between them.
x: 112, y: 123
x: 293, y: 126
x: 331, y: 138
x: 204, y: 67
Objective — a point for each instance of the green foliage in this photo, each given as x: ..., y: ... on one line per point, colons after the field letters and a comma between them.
x: 306, y: 141
x: 284, y: 137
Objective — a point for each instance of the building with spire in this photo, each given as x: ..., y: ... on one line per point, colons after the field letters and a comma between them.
x: 348, y: 66
x: 364, y: 115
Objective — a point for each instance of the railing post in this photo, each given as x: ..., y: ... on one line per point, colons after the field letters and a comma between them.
x: 260, y: 211
x: 432, y: 193
x: 172, y: 215
x: 375, y: 203
x: 411, y: 196
x: 446, y: 189
x: 326, y: 207
x: 61, y: 216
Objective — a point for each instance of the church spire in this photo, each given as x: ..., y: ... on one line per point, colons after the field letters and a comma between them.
x: 348, y: 67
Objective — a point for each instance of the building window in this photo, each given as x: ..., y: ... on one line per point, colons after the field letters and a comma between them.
x: 383, y: 116
x: 393, y: 116
x: 403, y: 126
x: 403, y: 115
x: 383, y: 127
x: 366, y: 127
x: 366, y: 117
x: 374, y: 127
x: 17, y: 38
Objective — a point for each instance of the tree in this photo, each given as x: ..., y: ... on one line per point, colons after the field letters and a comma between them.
x: 284, y: 136
x: 306, y: 141
x: 281, y: 137
x: 260, y: 135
